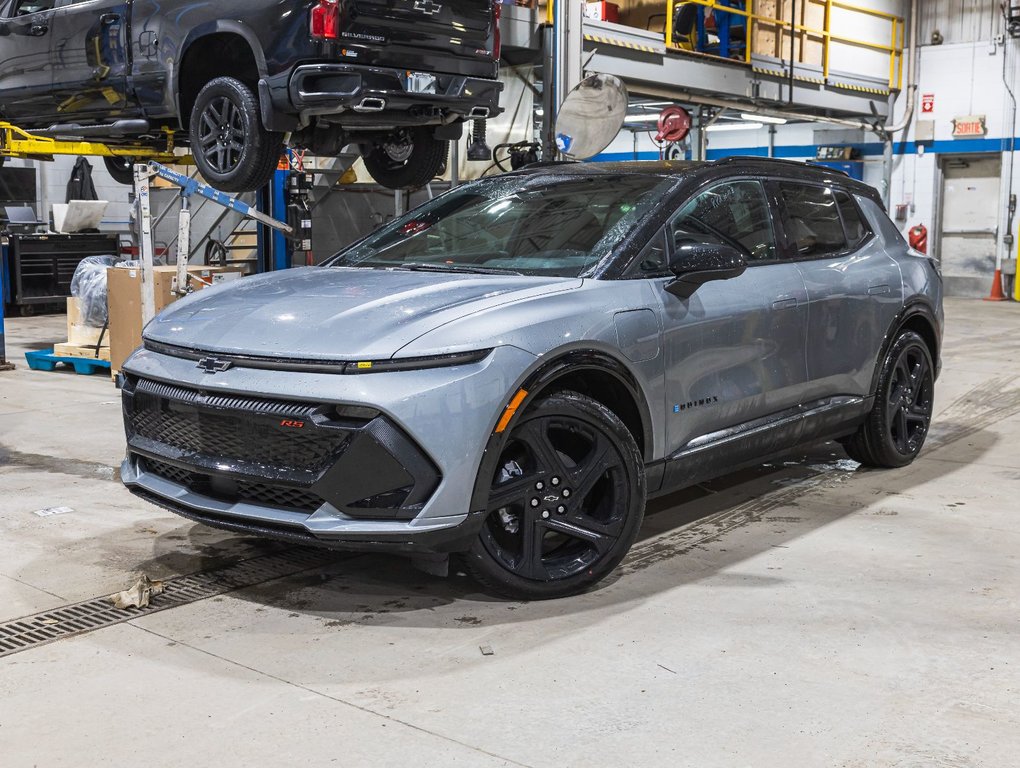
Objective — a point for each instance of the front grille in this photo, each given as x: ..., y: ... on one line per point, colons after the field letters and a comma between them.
x: 233, y: 489
x: 233, y: 428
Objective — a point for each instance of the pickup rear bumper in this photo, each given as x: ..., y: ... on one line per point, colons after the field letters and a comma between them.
x: 368, y: 96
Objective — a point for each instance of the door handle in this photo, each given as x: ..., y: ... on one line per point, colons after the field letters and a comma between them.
x: 109, y: 18
x: 38, y: 30
x: 784, y: 303
x: 874, y: 290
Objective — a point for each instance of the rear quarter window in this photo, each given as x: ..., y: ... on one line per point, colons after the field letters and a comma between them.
x: 857, y: 230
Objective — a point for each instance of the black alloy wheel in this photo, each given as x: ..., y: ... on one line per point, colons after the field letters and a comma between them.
x: 909, y: 401
x: 232, y: 149
x: 565, y: 504
x: 898, y: 424
x: 221, y: 134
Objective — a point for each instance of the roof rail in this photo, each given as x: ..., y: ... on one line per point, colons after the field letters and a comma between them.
x: 777, y: 160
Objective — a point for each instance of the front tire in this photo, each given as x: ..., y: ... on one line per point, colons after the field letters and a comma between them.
x: 895, y: 429
x: 232, y: 149
x: 565, y: 504
x: 408, y: 159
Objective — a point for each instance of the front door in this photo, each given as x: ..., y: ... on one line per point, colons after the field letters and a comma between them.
x: 734, y: 351
x: 90, y: 60
x: 970, y: 221
x: 25, y: 69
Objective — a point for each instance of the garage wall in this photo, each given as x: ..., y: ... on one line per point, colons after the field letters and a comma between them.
x: 963, y: 79
x: 51, y: 180
x: 959, y: 21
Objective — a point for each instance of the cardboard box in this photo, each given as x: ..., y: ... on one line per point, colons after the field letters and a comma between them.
x: 124, y: 298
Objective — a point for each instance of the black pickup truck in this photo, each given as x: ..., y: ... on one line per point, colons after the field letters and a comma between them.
x: 237, y: 79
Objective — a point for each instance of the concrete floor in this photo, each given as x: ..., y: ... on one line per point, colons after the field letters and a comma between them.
x: 806, y: 613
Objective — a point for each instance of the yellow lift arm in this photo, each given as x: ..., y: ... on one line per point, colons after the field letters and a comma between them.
x: 17, y: 142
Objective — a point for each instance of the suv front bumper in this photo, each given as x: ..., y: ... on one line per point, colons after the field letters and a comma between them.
x: 212, y: 448
x: 361, y: 94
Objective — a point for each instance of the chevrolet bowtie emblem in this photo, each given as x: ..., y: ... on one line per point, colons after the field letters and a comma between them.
x: 427, y: 6
x: 213, y: 364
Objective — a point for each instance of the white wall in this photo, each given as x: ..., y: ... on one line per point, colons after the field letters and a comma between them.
x: 51, y: 181
x: 966, y: 79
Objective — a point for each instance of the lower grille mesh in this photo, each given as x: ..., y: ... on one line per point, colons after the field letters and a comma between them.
x: 241, y: 490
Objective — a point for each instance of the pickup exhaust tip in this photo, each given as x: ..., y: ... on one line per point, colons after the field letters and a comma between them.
x: 370, y: 104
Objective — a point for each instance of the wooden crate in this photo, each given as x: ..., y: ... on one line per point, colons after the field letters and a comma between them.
x: 81, y: 350
x: 774, y: 39
x: 82, y: 334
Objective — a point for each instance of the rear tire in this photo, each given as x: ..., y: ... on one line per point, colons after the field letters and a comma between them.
x: 895, y: 429
x: 232, y: 149
x: 565, y: 504
x: 408, y: 159
x: 121, y: 169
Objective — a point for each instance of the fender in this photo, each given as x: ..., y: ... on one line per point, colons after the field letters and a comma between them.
x: 916, y: 307
x: 210, y: 28
x: 537, y: 382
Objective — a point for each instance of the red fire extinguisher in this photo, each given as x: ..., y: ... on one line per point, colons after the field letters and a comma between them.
x: 918, y: 238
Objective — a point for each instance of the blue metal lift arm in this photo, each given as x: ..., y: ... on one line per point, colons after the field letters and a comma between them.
x: 190, y: 186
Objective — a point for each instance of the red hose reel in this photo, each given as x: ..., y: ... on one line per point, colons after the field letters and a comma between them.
x: 674, y: 125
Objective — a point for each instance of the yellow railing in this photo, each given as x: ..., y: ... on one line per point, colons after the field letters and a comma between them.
x: 894, y: 49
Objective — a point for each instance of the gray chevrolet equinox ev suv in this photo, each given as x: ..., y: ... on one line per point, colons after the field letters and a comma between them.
x: 511, y: 370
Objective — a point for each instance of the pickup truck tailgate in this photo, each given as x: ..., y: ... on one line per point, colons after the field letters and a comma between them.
x: 456, y: 36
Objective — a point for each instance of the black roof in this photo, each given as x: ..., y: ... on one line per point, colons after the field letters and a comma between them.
x: 706, y: 170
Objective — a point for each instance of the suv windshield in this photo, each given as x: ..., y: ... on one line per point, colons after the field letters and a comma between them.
x: 528, y: 225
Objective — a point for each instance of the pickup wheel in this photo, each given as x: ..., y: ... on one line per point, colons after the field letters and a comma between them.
x: 121, y: 169
x: 407, y: 159
x: 232, y: 149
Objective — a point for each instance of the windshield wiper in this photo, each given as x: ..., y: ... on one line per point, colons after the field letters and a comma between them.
x: 430, y: 267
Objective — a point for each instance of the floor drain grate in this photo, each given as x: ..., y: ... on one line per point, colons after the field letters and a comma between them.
x: 45, y: 627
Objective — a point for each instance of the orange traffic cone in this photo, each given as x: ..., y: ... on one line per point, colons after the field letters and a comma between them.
x: 996, y: 294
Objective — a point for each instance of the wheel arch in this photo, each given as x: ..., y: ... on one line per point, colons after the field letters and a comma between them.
x: 232, y: 42
x: 918, y: 316
x: 594, y: 373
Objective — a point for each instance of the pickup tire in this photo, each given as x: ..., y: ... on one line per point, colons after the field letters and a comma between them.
x: 121, y: 169
x: 232, y: 149
x: 407, y: 159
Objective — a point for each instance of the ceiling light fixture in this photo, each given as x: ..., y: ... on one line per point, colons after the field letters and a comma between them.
x: 763, y: 119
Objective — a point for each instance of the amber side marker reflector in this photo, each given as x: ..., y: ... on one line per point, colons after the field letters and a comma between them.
x: 511, y: 409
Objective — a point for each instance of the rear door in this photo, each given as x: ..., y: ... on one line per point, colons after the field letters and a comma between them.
x: 448, y: 36
x: 25, y: 69
x: 854, y: 287
x: 88, y: 41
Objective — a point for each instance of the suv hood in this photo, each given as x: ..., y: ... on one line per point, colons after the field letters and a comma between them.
x: 331, y: 313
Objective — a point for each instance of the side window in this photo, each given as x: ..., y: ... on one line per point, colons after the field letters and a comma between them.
x: 813, y: 224
x: 735, y: 213
x: 24, y: 7
x: 853, y: 222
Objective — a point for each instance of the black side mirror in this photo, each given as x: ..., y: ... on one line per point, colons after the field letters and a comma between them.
x: 695, y: 264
